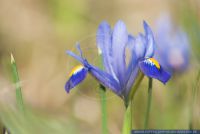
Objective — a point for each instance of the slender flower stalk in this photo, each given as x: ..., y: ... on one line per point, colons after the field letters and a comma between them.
x: 127, y: 125
x: 194, y: 92
x: 102, y: 91
x: 103, y: 109
x: 146, y: 122
x: 138, y: 80
x: 15, y: 75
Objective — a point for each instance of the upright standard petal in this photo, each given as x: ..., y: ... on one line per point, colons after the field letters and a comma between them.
x: 139, y: 46
x: 119, y: 41
x: 132, y: 68
x: 152, y: 68
x: 131, y: 80
x: 76, y: 76
x: 133, y: 58
x: 150, y: 42
x: 104, y: 44
x: 103, y: 37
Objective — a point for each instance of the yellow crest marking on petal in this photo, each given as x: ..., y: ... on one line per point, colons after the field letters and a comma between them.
x: 76, y: 69
x: 155, y: 62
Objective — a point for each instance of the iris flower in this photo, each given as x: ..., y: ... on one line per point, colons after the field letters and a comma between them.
x: 119, y: 74
x: 172, y: 45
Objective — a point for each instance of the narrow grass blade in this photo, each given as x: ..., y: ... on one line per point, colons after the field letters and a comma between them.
x: 16, y: 81
x: 5, y: 131
x: 194, y: 92
x: 148, y: 103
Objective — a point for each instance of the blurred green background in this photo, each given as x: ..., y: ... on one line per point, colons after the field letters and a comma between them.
x: 38, y: 32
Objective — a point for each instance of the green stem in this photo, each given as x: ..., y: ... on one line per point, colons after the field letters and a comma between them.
x: 103, y: 104
x: 148, y: 103
x: 16, y: 81
x: 103, y: 109
x: 137, y: 82
x: 194, y: 92
x: 127, y: 126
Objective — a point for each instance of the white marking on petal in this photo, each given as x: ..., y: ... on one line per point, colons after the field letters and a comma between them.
x: 99, y: 51
x: 76, y: 70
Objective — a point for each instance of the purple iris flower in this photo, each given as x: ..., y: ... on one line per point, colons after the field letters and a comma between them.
x: 119, y: 74
x: 172, y: 50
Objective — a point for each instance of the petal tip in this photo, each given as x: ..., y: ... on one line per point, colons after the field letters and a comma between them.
x: 68, y: 52
x: 152, y: 68
x: 77, y: 75
x: 167, y: 77
x: 120, y: 24
x: 104, y: 23
x: 147, y: 28
x: 68, y: 87
x: 145, y: 23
